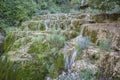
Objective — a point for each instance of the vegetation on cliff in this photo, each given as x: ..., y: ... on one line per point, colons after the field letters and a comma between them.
x: 40, y: 44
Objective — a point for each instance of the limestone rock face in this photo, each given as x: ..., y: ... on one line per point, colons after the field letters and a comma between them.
x: 98, y: 27
x: 81, y: 65
x: 102, y: 18
x: 2, y: 38
x: 105, y: 62
x: 104, y: 31
x: 109, y: 65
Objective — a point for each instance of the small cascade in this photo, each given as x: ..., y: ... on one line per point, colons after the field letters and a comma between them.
x: 66, y: 58
x: 81, y: 32
x: 80, y: 38
x: 73, y: 58
x: 88, y: 17
x: 47, y: 22
x: 58, y: 22
x: 82, y: 43
x: 69, y: 62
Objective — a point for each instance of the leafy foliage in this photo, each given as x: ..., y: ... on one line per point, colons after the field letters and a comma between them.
x: 13, y: 12
x: 56, y: 40
x: 105, y: 5
x: 8, y: 70
x: 48, y: 54
x: 52, y: 6
x: 32, y: 70
x: 104, y: 45
x: 88, y: 74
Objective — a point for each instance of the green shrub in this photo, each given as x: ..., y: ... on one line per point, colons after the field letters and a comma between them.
x: 104, y: 45
x: 54, y: 63
x: 38, y: 47
x: 13, y: 12
x: 8, y: 70
x: 14, y: 39
x: 87, y: 74
x: 49, y: 55
x: 32, y: 70
x: 32, y: 26
x: 56, y: 40
x: 10, y: 39
x: 104, y: 5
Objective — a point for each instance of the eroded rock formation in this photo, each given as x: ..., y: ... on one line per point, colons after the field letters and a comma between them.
x: 105, y: 28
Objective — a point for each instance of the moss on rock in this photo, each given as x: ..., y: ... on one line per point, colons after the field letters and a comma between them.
x: 33, y: 26
x: 10, y: 39
x: 92, y: 34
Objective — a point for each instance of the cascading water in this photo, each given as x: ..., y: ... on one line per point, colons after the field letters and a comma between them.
x: 73, y: 58
x: 58, y: 21
x: 66, y: 58
x: 67, y: 63
x: 47, y: 22
x: 82, y: 43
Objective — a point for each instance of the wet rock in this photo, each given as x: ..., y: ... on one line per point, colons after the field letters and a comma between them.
x: 2, y: 39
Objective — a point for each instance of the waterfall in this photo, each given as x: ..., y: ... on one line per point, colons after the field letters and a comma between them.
x: 88, y: 17
x: 81, y: 32
x: 47, y: 22
x: 58, y: 21
x: 73, y: 58
x: 66, y: 58
x: 82, y: 43
x: 68, y: 63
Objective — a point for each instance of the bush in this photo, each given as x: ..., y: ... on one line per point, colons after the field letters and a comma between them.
x: 32, y: 70
x: 8, y: 70
x: 104, y: 45
x: 48, y: 55
x: 56, y: 40
x: 87, y: 74
x: 13, y: 12
x: 104, y: 5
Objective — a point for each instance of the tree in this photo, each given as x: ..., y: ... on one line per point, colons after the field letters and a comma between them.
x: 13, y: 12
x: 104, y: 5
